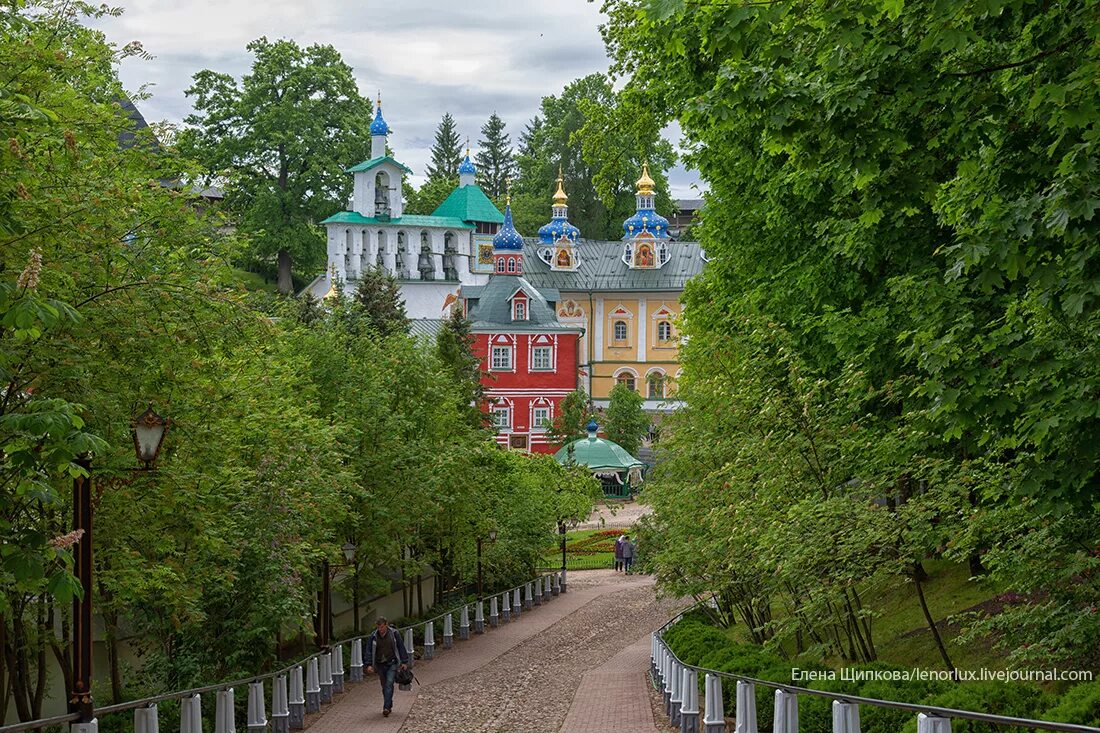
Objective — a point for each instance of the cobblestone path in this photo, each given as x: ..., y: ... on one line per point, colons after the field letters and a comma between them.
x: 580, y: 657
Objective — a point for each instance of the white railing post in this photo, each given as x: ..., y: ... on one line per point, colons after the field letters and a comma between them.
x: 257, y: 714
x: 547, y: 588
x: 479, y: 617
x: 528, y: 597
x: 745, y: 711
x: 667, y: 683
x: 689, y: 702
x: 933, y: 724
x: 845, y: 717
x: 356, y: 661
x: 515, y: 602
x: 338, y: 668
x: 146, y: 719
x: 505, y: 608
x: 191, y: 714
x: 555, y: 588
x: 280, y: 706
x: 297, y: 698
x: 464, y: 623
x: 313, y: 686
x: 653, y: 654
x: 448, y: 631
x: 429, y: 640
x: 326, y: 676
x: 677, y: 698
x: 225, y: 720
x: 714, y: 714
x: 494, y: 612
x: 786, y: 712
x: 408, y: 640
x: 538, y: 591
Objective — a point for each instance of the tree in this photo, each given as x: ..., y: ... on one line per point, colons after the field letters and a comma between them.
x: 446, y: 152
x: 428, y: 197
x: 573, y: 415
x: 625, y: 422
x: 378, y: 303
x: 454, y: 346
x: 495, y: 157
x: 281, y: 140
x: 600, y: 145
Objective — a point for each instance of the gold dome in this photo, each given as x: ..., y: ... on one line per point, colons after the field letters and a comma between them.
x: 645, y: 184
x: 560, y: 199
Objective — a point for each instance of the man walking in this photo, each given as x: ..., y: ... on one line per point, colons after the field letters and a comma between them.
x: 386, y: 652
x: 619, y: 552
x: 628, y: 554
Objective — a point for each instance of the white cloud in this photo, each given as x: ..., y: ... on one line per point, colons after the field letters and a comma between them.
x: 426, y: 56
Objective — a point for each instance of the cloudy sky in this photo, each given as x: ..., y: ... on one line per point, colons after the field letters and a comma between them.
x: 427, y: 57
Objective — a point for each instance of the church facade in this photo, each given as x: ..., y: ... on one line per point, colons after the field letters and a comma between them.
x: 551, y: 313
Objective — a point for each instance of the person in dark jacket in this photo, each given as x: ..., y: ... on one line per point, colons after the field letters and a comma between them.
x: 386, y: 651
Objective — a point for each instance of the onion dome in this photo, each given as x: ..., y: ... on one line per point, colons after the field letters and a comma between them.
x: 466, y: 167
x: 559, y: 226
x: 508, y: 239
x: 379, y: 126
x: 645, y: 184
x: 648, y: 221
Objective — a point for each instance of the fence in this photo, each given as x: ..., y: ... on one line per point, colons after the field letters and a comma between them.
x: 308, y: 685
x: 679, y: 685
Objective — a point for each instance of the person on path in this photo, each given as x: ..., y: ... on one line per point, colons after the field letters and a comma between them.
x: 619, y: 552
x: 628, y: 554
x: 386, y: 651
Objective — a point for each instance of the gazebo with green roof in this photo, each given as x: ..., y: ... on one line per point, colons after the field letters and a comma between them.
x: 618, y: 471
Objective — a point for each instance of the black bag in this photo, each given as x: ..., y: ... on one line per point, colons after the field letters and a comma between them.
x: 403, y: 677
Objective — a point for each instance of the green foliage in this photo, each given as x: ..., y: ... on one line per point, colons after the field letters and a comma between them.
x: 890, y: 353
x: 1014, y: 699
x: 569, y: 424
x: 495, y: 157
x: 1080, y: 705
x: 380, y: 307
x: 600, y: 143
x: 454, y: 347
x: 625, y: 422
x: 446, y: 153
x: 428, y: 197
x: 281, y: 139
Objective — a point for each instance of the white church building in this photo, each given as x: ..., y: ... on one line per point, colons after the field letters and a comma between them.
x: 430, y: 256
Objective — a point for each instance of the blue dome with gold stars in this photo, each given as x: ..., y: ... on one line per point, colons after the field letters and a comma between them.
x: 379, y: 126
x: 508, y: 239
x: 557, y: 228
x: 646, y: 220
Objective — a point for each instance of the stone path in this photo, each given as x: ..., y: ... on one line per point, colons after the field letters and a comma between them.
x: 581, y: 654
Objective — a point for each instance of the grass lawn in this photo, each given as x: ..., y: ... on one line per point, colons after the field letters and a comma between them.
x: 254, y: 281
x: 585, y: 549
x: 901, y: 634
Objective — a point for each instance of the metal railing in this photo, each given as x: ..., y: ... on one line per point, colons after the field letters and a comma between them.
x: 306, y: 685
x: 679, y: 685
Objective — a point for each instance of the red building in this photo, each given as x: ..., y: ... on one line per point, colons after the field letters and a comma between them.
x: 531, y: 360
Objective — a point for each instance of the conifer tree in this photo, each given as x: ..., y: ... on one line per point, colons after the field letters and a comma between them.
x: 495, y: 157
x: 455, y: 348
x: 380, y: 304
x: 446, y: 151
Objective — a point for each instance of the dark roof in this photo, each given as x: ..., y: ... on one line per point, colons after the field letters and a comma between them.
x: 600, y: 267
x: 689, y: 204
x: 138, y: 129
x: 425, y: 328
x: 490, y: 305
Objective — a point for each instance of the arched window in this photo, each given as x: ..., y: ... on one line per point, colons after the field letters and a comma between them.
x: 619, y: 331
x: 626, y: 379
x: 656, y: 382
x: 664, y: 331
x: 500, y: 265
x: 511, y: 265
x: 520, y: 310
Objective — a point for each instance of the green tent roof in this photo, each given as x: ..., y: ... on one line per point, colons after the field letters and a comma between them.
x: 366, y: 165
x: 598, y: 454
x: 469, y: 203
x: 409, y: 220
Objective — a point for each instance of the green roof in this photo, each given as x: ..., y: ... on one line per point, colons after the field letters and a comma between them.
x: 410, y: 220
x: 366, y: 165
x: 598, y: 454
x: 490, y: 306
x: 470, y: 203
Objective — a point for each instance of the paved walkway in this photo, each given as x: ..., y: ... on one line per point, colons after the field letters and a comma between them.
x: 532, y: 675
x: 615, y: 695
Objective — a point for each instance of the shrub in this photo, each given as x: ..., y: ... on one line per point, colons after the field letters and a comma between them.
x: 1081, y: 705
x: 874, y: 719
x: 1000, y: 698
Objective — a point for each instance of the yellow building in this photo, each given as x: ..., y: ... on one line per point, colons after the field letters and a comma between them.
x: 626, y: 295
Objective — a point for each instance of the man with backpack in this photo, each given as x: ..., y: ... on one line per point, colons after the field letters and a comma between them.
x: 386, y: 651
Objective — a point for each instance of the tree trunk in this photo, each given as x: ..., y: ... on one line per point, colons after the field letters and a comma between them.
x: 976, y: 567
x: 919, y: 573
x: 935, y: 631
x: 286, y: 283
x: 110, y: 637
x: 419, y: 596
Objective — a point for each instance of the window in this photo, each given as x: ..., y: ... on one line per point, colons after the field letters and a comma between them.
x: 500, y: 265
x: 620, y: 330
x: 656, y: 386
x: 664, y: 331
x: 502, y: 418
x: 511, y: 265
x: 502, y: 358
x: 519, y: 310
x: 541, y: 418
x: 626, y: 379
x: 542, y: 358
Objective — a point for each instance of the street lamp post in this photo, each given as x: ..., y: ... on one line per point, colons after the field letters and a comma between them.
x: 148, y: 431
x: 349, y: 555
